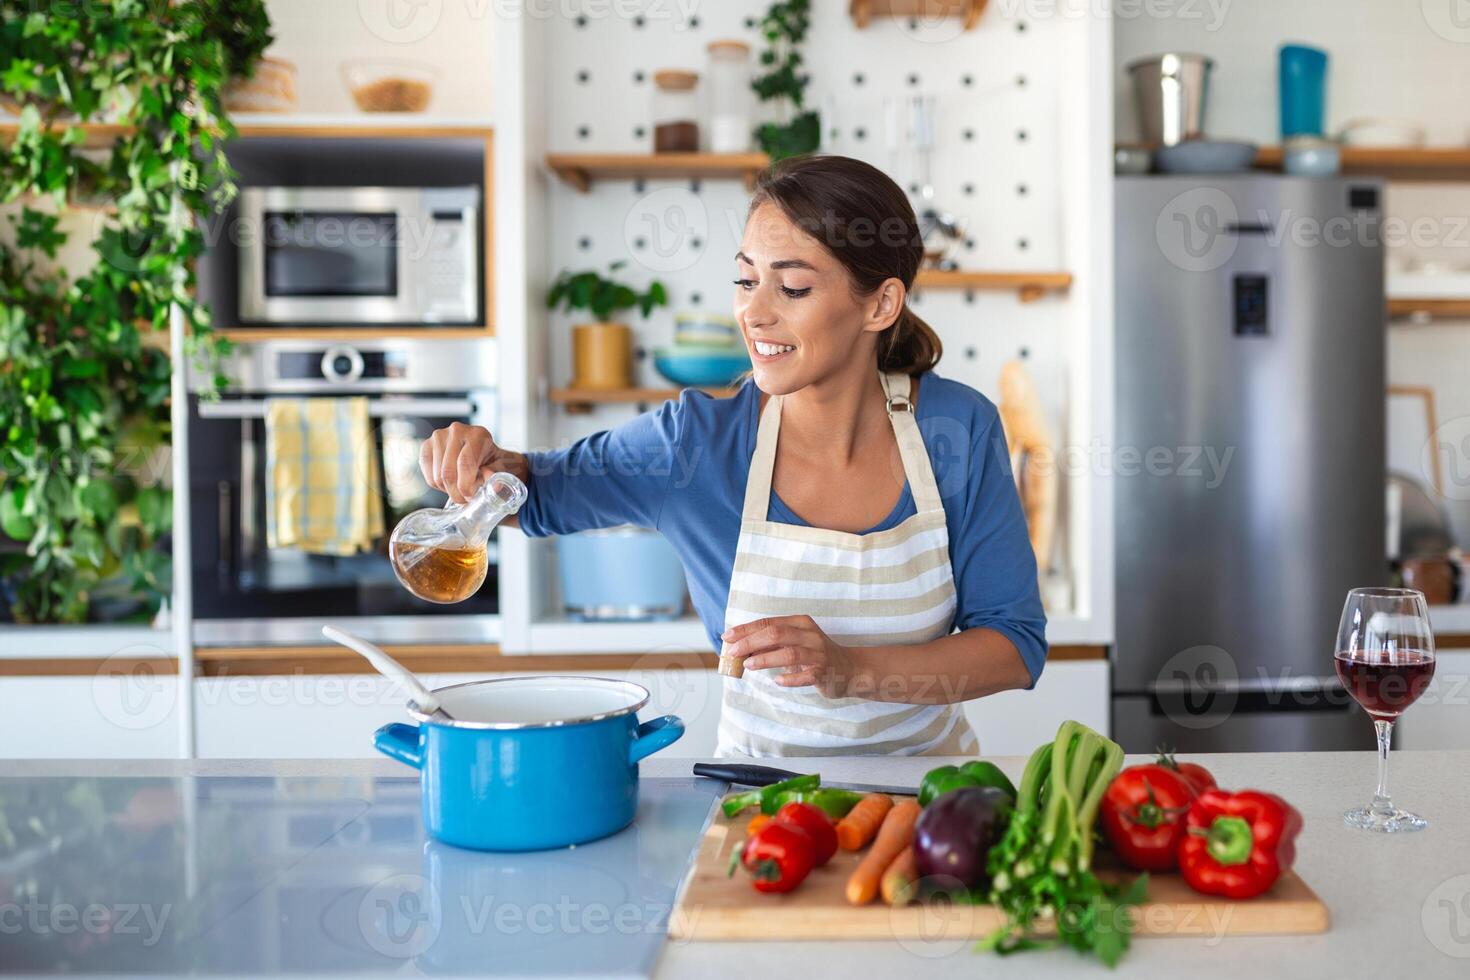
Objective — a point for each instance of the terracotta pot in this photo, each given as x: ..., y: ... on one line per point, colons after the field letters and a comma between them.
x: 1435, y: 577
x: 602, y: 356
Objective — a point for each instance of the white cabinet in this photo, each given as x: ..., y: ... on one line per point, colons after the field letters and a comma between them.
x: 1016, y: 722
x: 335, y: 716
x: 295, y: 716
x: 124, y: 715
x: 1440, y: 719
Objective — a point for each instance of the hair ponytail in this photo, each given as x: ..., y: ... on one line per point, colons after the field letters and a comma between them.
x: 910, y: 346
x: 866, y: 221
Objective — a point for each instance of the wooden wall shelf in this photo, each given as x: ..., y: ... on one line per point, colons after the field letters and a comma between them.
x: 579, y: 401
x: 367, y: 129
x: 580, y: 170
x: 95, y: 135
x: 1434, y: 309
x: 862, y: 12
x: 1406, y: 163
x: 1031, y: 286
x: 304, y: 127
x: 254, y: 335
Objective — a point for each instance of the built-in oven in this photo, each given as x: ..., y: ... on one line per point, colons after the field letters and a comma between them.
x: 246, y: 592
x: 348, y: 256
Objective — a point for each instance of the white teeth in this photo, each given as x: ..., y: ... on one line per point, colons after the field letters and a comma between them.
x: 771, y: 350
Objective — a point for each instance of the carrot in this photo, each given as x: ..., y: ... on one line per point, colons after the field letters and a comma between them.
x: 757, y: 822
x: 894, y: 836
x: 901, y: 880
x: 862, y: 821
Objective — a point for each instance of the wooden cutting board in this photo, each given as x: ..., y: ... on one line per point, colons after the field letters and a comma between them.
x: 715, y: 906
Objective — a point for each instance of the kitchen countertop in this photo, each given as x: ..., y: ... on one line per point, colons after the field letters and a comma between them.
x: 1400, y: 905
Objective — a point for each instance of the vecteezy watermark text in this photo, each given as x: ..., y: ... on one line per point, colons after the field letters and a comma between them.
x: 95, y: 918
x: 1199, y: 230
x: 1210, y: 12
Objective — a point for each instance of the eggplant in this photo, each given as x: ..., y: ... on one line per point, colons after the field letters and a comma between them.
x: 956, y: 831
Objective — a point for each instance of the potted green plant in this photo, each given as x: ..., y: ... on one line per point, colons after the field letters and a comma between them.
x: 602, y: 349
x: 797, y: 130
x: 84, y: 379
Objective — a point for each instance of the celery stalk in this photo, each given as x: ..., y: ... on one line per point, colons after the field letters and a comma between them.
x: 1029, y: 795
x: 1061, y: 753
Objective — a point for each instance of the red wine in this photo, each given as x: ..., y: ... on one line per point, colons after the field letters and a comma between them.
x: 1384, y: 687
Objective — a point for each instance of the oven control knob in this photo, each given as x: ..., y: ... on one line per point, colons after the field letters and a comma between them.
x: 341, y: 364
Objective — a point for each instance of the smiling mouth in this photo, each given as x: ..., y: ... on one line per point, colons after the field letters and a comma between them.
x: 772, y: 350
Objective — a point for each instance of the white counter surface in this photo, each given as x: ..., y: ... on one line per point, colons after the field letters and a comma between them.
x: 1400, y: 905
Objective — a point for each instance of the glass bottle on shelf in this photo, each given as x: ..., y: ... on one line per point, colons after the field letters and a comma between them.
x: 675, y: 111
x: 730, y: 97
x: 441, y: 554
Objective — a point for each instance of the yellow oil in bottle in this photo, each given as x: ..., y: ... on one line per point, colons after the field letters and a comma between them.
x: 439, y: 574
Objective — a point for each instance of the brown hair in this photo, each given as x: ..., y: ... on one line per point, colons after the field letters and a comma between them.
x: 865, y: 220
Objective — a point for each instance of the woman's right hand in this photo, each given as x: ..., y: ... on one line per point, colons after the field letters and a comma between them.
x: 457, y: 459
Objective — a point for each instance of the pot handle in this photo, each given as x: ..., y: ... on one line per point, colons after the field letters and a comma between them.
x: 654, y: 735
x: 401, y: 742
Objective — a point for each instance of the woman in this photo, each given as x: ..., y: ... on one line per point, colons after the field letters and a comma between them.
x: 848, y: 520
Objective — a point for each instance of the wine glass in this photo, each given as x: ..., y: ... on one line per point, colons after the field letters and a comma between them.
x: 1385, y: 660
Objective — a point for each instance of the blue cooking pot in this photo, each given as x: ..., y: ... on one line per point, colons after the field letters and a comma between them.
x: 530, y: 763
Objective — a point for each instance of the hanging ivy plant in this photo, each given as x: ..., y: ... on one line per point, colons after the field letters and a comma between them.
x: 785, y: 27
x: 83, y: 386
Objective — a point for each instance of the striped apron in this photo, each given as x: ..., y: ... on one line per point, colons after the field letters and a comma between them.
x: 888, y: 587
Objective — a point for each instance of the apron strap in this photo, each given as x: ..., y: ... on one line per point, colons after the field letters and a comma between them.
x: 911, y: 450
x: 762, y: 463
x: 915, y: 457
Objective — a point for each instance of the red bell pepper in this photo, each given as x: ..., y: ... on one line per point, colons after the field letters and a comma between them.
x: 779, y: 856
x: 1238, y: 844
x: 816, y: 823
x: 1143, y: 814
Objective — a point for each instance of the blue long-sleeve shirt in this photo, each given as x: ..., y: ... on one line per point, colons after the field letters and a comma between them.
x: 682, y: 469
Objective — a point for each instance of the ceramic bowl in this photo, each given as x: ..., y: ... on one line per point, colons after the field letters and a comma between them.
x: 705, y: 330
x: 1132, y: 159
x: 1206, y: 157
x: 1310, y: 157
x: 701, y: 366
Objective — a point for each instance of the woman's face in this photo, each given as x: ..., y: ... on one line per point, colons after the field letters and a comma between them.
x: 796, y: 307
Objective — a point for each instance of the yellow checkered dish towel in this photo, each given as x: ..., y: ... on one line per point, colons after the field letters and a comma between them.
x: 321, y: 477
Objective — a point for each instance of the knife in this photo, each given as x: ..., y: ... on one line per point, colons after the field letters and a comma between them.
x: 745, y: 775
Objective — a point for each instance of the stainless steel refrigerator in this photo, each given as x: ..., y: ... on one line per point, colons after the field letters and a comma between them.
x: 1249, y: 461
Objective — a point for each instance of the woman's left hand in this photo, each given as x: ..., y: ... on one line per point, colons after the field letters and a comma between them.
x: 797, y: 643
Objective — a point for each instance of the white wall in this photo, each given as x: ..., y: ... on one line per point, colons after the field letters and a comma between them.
x: 455, y: 38
x: 1389, y: 58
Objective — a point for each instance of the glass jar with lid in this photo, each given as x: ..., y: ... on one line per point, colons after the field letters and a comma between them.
x: 730, y: 97
x: 675, y: 111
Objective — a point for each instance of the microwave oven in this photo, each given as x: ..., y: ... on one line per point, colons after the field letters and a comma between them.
x: 347, y: 256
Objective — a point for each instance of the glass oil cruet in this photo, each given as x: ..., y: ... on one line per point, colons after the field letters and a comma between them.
x: 440, y: 554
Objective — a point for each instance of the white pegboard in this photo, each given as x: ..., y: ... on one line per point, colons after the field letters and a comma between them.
x: 1004, y: 94
x: 994, y: 165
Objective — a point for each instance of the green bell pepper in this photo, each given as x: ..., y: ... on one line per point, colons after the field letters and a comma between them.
x: 978, y: 772
x: 833, y: 802
x: 765, y: 797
